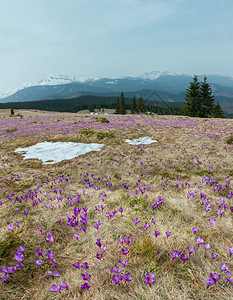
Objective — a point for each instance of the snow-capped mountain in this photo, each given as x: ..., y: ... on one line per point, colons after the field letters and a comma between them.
x: 51, y: 80
x: 63, y: 87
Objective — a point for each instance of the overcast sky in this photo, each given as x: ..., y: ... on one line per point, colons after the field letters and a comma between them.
x: 112, y: 38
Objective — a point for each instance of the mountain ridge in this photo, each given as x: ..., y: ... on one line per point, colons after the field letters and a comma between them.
x: 171, y: 85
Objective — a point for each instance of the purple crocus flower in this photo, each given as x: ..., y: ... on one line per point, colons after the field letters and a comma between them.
x: 146, y: 225
x: 39, y: 251
x: 190, y: 250
x: 98, y: 243
x: 99, y: 256
x: 126, y: 277
x: 230, y: 251
x: 210, y: 282
x: 55, y: 273
x: 149, y: 279
x: 195, y: 230
x: 207, y: 246
x: 76, y: 236
x: 230, y: 277
x: 213, y: 278
x: 11, y: 227
x: 123, y: 263
x: 50, y: 238
x: 127, y: 240
x: 86, y: 276
x: 40, y: 229
x: 21, y: 249
x: 153, y: 221
x: 55, y: 288
x: 168, y: 233
x: 157, y: 233
x: 103, y: 248
x: 19, y: 257
x: 125, y: 251
x: 5, y: 277
x: 199, y: 241
x: 19, y: 266
x: 223, y: 267
x: 136, y: 221
x: 117, y: 279
x: 64, y: 285
x: 38, y: 262
x: 212, y: 222
x: 85, y: 286
x: 183, y: 257
x: 121, y: 210
x: 97, y: 225
x: 115, y: 270
x: 121, y: 241
x: 25, y: 212
x: 214, y: 256
x: 76, y: 265
x: 50, y: 255
x: 222, y: 211
x: 175, y: 254
x: 85, y: 266
x: 7, y: 270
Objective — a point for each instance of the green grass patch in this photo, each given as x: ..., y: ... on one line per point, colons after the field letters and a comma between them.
x: 108, y: 134
x: 11, y: 130
x: 137, y: 203
x: 102, y: 120
x: 145, y: 248
x: 230, y: 140
x: 8, y: 245
x: 87, y: 132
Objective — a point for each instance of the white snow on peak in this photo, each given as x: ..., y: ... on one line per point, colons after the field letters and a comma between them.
x: 52, y: 79
x: 151, y: 75
x: 156, y: 74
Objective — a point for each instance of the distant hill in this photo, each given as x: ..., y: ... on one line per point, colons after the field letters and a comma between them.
x: 170, y: 87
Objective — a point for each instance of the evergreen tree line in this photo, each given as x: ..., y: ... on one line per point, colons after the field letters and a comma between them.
x: 199, y: 100
x: 139, y: 106
x: 135, y: 107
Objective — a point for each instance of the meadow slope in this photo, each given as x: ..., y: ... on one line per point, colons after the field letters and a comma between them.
x: 126, y: 222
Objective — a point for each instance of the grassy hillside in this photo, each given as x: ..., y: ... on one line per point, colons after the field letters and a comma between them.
x: 105, y: 219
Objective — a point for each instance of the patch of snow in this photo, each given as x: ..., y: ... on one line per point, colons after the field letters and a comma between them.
x: 111, y: 82
x: 141, y: 141
x: 151, y: 75
x: 156, y: 74
x: 52, y: 153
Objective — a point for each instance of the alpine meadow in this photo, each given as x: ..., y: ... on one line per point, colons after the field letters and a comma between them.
x: 147, y: 215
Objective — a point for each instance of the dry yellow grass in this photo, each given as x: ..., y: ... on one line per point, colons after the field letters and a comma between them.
x: 191, y: 145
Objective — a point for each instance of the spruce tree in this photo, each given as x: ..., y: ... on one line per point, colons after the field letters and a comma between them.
x: 134, y: 106
x: 117, y: 111
x: 217, y: 111
x: 122, y: 105
x: 207, y: 99
x: 192, y: 106
x: 141, y: 105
